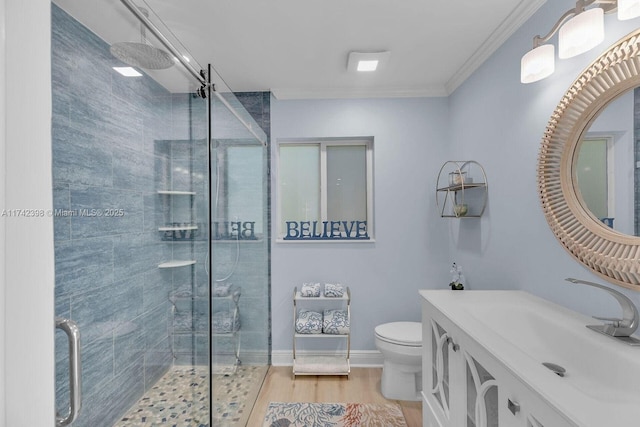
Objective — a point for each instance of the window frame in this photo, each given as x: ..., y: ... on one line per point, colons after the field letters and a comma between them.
x: 323, y: 143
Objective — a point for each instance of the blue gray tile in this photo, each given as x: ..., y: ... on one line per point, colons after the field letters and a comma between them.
x: 106, y: 212
x: 128, y: 170
x: 134, y: 255
x: 79, y: 158
x: 81, y: 265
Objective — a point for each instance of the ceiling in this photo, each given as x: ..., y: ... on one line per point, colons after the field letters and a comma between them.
x: 299, y: 48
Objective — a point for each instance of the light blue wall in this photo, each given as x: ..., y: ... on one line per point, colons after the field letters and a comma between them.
x: 493, y: 119
x: 499, y: 122
x: 411, y: 247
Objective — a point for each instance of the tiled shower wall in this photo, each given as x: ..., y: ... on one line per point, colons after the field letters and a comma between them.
x: 107, y: 168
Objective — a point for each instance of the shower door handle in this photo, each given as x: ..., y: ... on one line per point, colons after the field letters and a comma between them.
x: 70, y: 328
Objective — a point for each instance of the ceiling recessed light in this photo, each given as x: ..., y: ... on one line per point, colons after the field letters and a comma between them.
x: 369, y: 65
x: 367, y: 61
x: 127, y: 71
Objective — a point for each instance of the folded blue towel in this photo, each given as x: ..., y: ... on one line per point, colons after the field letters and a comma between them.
x: 335, y: 322
x: 309, y: 322
x: 310, y: 290
x: 333, y: 290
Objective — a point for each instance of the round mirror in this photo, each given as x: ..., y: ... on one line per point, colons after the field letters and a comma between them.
x: 613, y: 255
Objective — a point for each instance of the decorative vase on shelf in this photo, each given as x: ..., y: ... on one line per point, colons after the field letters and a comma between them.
x: 460, y: 209
x: 457, y: 278
x: 457, y: 177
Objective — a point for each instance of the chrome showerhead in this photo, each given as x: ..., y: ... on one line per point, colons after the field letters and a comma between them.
x: 142, y: 54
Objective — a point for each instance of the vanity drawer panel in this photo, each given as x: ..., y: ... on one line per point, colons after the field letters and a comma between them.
x: 522, y: 407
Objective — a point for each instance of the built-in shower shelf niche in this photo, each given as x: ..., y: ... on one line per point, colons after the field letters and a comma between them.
x: 177, y: 193
x: 178, y: 230
x: 176, y: 263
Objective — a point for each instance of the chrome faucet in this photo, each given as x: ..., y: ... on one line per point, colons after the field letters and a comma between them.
x: 618, y: 328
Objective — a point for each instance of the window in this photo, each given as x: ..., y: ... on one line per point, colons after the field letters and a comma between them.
x: 325, y: 189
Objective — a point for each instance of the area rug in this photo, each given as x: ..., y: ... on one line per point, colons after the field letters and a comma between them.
x: 333, y: 415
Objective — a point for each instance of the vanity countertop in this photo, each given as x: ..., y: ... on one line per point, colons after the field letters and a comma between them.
x: 602, y: 383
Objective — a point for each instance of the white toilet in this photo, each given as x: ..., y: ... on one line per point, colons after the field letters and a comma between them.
x: 401, y: 346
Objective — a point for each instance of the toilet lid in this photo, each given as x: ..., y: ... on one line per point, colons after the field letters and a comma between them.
x: 403, y: 333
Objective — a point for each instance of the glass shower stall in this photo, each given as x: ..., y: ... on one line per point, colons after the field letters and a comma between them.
x: 161, y: 223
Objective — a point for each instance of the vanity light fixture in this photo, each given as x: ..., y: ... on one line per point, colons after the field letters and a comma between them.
x: 579, y: 30
x: 367, y: 61
x: 127, y: 71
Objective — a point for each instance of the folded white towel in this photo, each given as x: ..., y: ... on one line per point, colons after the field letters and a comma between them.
x: 335, y: 322
x: 310, y: 290
x: 333, y: 290
x: 224, y: 322
x: 221, y: 289
x: 309, y: 322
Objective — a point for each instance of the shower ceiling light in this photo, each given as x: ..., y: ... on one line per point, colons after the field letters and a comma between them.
x: 367, y: 61
x: 580, y: 30
x: 370, y: 65
x: 127, y: 71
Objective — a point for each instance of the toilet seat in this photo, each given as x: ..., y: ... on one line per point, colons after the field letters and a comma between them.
x: 407, y: 334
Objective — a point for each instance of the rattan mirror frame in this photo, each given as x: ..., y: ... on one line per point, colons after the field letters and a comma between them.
x: 612, y: 255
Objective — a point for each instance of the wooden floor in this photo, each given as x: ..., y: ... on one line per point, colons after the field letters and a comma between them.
x: 363, y: 386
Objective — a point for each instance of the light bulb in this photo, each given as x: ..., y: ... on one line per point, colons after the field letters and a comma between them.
x: 628, y: 9
x: 581, y: 33
x: 537, y: 64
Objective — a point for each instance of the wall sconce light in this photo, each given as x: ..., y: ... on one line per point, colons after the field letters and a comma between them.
x: 579, y: 30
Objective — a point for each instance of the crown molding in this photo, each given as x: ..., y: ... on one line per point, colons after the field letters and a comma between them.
x: 509, y: 25
x: 348, y: 93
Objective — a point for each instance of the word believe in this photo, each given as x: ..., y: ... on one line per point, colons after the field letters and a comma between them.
x: 326, y: 230
x: 233, y: 230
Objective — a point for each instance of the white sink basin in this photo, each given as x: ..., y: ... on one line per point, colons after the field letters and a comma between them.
x: 593, y: 362
x: 523, y: 331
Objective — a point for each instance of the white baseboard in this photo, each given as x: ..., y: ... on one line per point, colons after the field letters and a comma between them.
x: 358, y: 358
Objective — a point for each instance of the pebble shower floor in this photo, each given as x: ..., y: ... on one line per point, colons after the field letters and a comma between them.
x: 181, y: 399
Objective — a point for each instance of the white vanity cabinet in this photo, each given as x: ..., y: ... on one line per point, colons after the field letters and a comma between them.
x: 464, y: 385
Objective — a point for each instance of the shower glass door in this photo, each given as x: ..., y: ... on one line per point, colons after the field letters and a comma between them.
x: 131, y: 199
x: 239, y: 256
x: 161, y: 228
